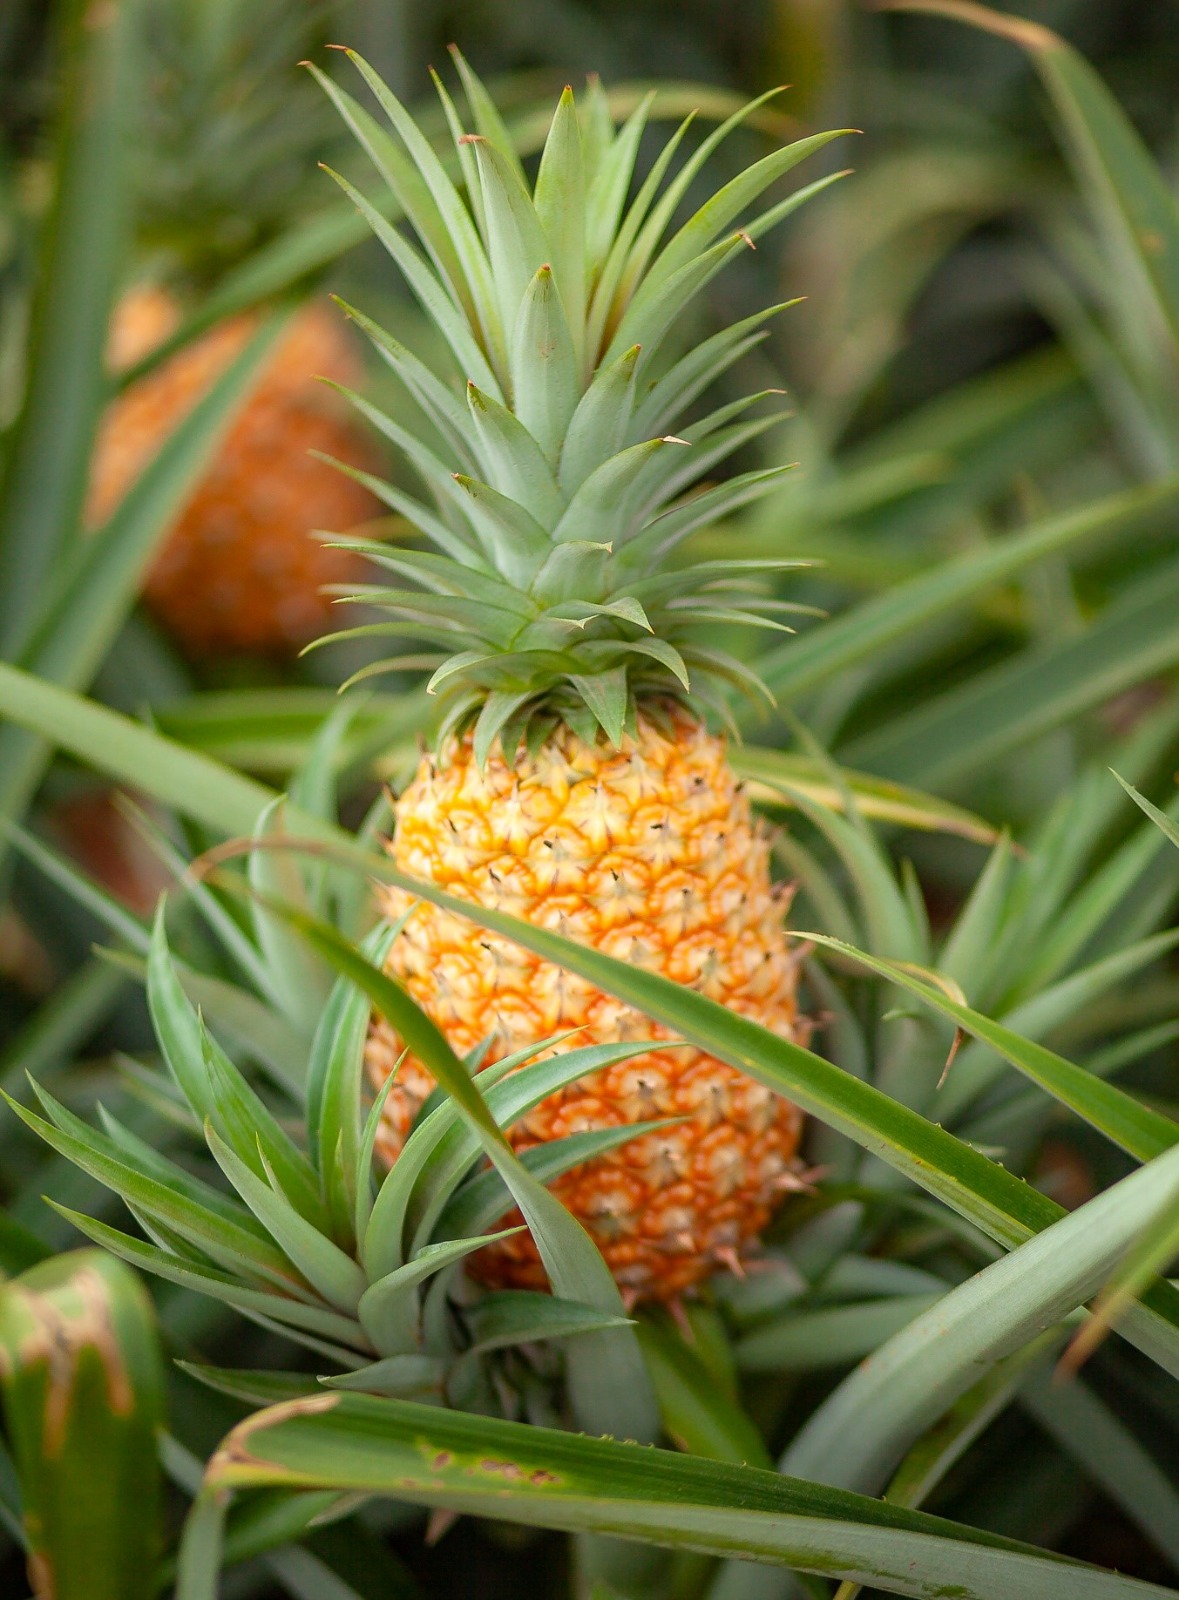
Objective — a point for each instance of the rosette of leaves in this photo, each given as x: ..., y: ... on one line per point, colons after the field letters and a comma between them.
x: 304, y: 1239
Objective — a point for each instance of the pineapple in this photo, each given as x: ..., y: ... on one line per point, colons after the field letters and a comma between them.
x: 229, y: 124
x: 239, y: 572
x: 574, y: 782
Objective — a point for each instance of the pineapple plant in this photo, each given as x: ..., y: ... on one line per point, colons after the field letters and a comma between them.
x: 573, y: 780
x: 365, y: 1275
x: 226, y: 145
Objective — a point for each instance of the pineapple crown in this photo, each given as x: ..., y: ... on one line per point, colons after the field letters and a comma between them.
x: 557, y: 489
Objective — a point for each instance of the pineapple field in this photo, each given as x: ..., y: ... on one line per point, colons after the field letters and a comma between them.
x: 589, y: 842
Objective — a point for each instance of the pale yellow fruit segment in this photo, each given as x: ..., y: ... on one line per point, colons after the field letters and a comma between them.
x: 651, y: 854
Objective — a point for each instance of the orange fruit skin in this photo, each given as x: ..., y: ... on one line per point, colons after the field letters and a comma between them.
x: 651, y: 854
x: 242, y: 570
x: 104, y: 842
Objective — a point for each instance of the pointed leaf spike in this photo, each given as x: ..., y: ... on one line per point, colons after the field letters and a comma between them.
x: 516, y: 241
x: 483, y: 108
x: 611, y: 183
x: 514, y: 463
x: 544, y: 365
x: 560, y: 206
x: 466, y: 158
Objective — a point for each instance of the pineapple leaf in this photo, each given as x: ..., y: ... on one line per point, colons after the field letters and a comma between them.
x: 335, y: 1071
x: 404, y: 1377
x: 913, y: 1378
x: 483, y: 1199
x: 1160, y: 819
x: 599, y: 426
x: 1141, y: 1132
x: 499, y: 706
x: 434, y: 300
x: 610, y: 183
x: 889, y: 926
x: 457, y: 547
x: 516, y: 244
x: 383, y: 1243
x: 488, y: 121
x: 219, y: 1285
x: 593, y: 507
x: 83, y: 889
x: 574, y: 567
x: 362, y: 1180
x: 255, y: 1026
x: 654, y: 543
x: 253, y: 1133
x: 497, y: 626
x: 704, y: 363
x: 509, y: 671
x: 863, y: 630
x: 501, y: 1321
x: 332, y: 1274
x: 408, y: 187
x: 597, y: 127
x: 582, y: 1485
x: 572, y: 1261
x: 519, y: 1092
x: 388, y: 1310
x: 514, y: 540
x: 665, y: 478
x: 649, y: 316
x: 607, y: 305
x: 466, y: 159
x: 145, y: 1158
x: 639, y: 257
x: 439, y: 403
x: 1126, y: 187
x: 691, y: 610
x: 334, y: 1077
x: 663, y: 652
x: 430, y: 468
x: 453, y: 235
x: 697, y: 1411
x: 228, y: 931
x: 726, y: 205
x: 721, y: 664
x: 298, y: 976
x: 442, y: 575
x: 514, y: 462
x: 607, y: 694
x: 239, y: 1243
x: 177, y: 1027
x: 544, y: 365
x: 560, y: 200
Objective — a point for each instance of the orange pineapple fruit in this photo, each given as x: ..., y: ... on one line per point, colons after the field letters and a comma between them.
x: 648, y: 852
x: 240, y: 572
x: 574, y: 782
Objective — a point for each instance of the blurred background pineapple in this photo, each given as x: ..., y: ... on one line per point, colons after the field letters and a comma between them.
x: 228, y: 144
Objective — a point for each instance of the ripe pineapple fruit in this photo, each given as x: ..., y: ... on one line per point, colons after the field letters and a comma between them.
x: 230, y: 131
x: 573, y: 781
x: 240, y: 572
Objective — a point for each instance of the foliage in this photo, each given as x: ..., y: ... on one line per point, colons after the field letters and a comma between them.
x: 985, y: 397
